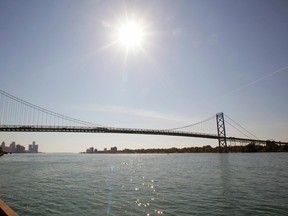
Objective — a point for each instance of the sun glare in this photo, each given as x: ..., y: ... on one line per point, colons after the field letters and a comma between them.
x: 130, y: 34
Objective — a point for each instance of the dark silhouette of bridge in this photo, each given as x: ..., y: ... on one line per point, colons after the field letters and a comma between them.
x: 17, y: 115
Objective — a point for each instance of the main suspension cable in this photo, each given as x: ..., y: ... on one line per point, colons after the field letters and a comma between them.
x: 241, y: 127
x: 191, y: 125
x: 48, y: 112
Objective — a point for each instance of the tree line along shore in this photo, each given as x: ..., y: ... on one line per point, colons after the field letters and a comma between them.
x: 269, y: 147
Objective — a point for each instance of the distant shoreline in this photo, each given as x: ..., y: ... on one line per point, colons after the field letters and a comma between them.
x: 271, y: 147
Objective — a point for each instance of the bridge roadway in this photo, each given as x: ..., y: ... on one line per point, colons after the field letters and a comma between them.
x: 74, y: 129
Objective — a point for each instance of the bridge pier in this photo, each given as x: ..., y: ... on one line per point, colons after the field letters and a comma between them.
x: 221, y: 133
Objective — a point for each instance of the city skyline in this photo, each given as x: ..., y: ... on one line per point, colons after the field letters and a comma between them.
x: 17, y: 148
x: 193, y: 60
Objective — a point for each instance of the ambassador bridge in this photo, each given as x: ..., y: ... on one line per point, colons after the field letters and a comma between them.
x: 17, y: 115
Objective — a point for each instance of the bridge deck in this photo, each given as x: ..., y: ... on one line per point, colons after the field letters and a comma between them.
x: 41, y: 128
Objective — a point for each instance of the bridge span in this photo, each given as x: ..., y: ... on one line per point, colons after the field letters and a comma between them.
x: 116, y: 130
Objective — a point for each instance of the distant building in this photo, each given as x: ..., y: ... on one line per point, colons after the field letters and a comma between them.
x: 33, y: 148
x: 105, y: 149
x: 12, y: 147
x: 19, y: 149
x: 113, y: 149
x: 3, y: 146
x: 90, y: 150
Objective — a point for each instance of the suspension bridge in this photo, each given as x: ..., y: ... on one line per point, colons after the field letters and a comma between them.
x: 17, y: 115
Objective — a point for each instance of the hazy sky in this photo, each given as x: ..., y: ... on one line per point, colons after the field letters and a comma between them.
x: 197, y: 58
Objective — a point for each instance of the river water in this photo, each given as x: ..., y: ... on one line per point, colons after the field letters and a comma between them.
x: 145, y: 184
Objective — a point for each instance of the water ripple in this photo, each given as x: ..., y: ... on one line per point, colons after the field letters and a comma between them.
x: 186, y: 184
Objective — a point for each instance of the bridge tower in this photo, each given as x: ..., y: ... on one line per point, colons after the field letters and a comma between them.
x: 221, y: 133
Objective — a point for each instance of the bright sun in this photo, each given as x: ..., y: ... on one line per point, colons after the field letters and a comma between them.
x: 130, y: 34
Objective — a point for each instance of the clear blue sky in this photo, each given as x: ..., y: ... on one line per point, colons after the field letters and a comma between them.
x: 198, y: 58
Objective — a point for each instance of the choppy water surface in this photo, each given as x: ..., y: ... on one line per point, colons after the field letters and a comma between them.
x: 148, y: 184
